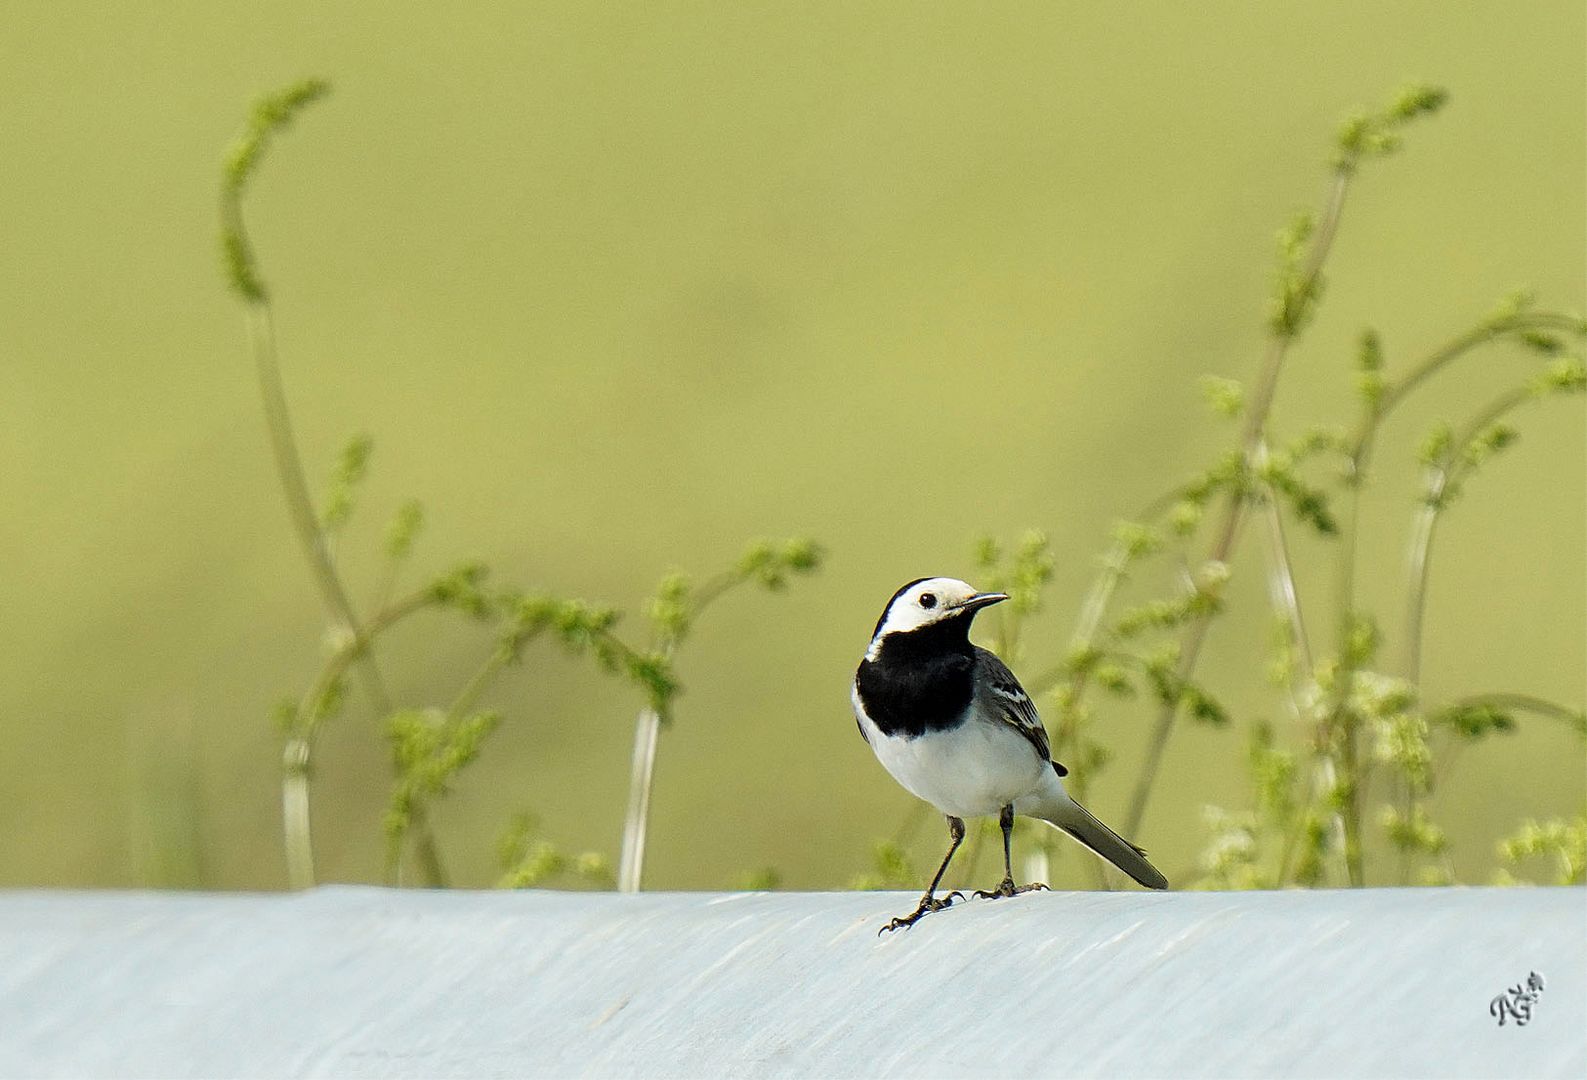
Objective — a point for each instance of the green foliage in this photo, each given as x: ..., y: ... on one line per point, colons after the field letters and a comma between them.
x: 1388, y: 707
x: 1136, y: 541
x: 762, y: 879
x: 1297, y: 286
x: 767, y: 563
x: 1360, y: 733
x: 771, y: 564
x: 352, y: 464
x: 1226, y: 397
x: 463, y: 590
x: 1232, y: 855
x: 1308, y: 503
x: 1369, y: 369
x: 1200, y: 599
x: 1511, y: 306
x: 1563, y: 842
x: 432, y: 746
x: 1227, y: 474
x: 1368, y: 135
x: 1413, y: 832
x: 528, y: 861
x: 404, y: 529
x: 271, y: 115
x: 1563, y: 375
x: 429, y: 747
x: 891, y: 868
x: 1178, y: 692
x: 1023, y: 574
x: 1473, y: 720
x: 1434, y: 449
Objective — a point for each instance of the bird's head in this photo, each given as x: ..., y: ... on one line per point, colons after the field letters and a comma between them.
x: 929, y: 602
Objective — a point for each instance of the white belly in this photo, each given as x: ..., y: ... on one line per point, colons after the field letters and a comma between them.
x: 974, y: 770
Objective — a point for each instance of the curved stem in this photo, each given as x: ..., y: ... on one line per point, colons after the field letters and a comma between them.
x: 298, y: 755
x: 1441, y: 357
x: 300, y: 507
x: 1253, y: 441
x: 647, y: 740
x: 1440, y: 481
x: 1100, y: 595
x: 1441, y: 478
x: 1340, y: 717
x: 1339, y: 726
x: 289, y: 468
x: 1419, y: 567
x: 1286, y: 598
x: 1526, y: 703
x: 1283, y: 591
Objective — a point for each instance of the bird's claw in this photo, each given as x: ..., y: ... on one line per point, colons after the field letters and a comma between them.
x: 1008, y: 888
x: 928, y: 904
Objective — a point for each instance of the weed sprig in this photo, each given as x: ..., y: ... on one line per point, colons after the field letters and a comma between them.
x: 431, y: 745
x: 1364, y: 727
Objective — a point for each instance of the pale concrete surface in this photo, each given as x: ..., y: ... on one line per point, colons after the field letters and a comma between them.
x: 368, y: 982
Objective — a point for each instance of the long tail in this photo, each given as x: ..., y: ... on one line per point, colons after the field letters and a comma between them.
x: 1077, y: 821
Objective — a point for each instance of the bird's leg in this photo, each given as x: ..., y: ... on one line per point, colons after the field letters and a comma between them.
x: 929, y: 902
x: 1007, y: 887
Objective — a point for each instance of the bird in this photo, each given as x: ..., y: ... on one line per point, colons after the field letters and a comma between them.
x: 953, y: 726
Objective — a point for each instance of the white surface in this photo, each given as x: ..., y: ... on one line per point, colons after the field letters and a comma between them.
x: 367, y: 982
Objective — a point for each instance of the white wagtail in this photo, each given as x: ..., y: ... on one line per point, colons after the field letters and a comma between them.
x: 954, y: 727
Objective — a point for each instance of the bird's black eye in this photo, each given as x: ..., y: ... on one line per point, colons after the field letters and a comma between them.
x: 928, y: 600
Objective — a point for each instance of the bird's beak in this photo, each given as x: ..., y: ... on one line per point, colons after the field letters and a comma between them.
x: 981, y: 600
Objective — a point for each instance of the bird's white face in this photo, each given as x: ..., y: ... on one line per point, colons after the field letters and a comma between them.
x: 929, y: 601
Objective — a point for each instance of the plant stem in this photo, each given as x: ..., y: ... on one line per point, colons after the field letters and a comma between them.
x: 296, y: 826
x: 1481, y: 334
x: 1419, y: 566
x: 636, y: 822
x: 418, y: 809
x: 1281, y: 587
x: 1526, y: 703
x: 1099, y: 596
x: 642, y: 761
x: 298, y: 755
x: 294, y: 485
x: 1286, y: 598
x: 1439, y: 481
x: 1340, y: 717
x: 305, y: 522
x: 1254, y: 443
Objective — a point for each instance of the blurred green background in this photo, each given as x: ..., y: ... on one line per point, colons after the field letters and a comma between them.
x: 618, y: 287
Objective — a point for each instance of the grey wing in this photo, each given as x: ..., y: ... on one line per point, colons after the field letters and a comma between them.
x: 1002, y: 697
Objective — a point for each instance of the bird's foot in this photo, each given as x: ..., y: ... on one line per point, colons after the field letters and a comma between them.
x: 928, y: 904
x: 1008, y: 888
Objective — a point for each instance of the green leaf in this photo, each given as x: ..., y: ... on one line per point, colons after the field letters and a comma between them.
x: 1226, y: 397
x: 1474, y: 720
x: 462, y: 588
x: 1564, y: 375
x: 352, y: 464
x: 404, y: 529
x: 1376, y: 134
